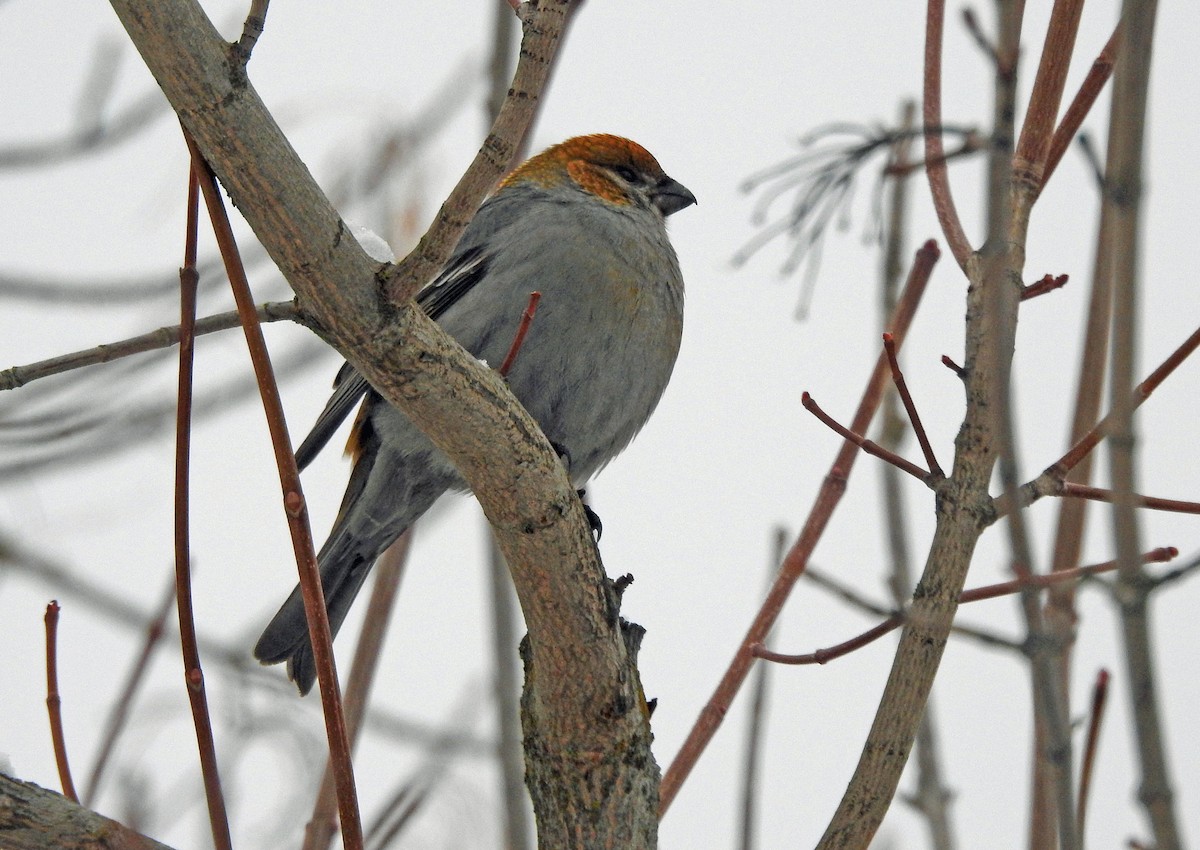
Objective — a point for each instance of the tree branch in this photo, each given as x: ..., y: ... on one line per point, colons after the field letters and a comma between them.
x: 36, y: 818
x: 592, y: 722
x: 19, y: 376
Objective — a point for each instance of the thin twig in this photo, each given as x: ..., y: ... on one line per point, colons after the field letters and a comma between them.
x: 897, y: 719
x: 54, y: 703
x: 193, y: 676
x: 294, y: 507
x: 500, y: 62
x: 1089, y: 90
x: 19, y: 376
x: 256, y: 21
x: 939, y: 183
x: 1177, y: 573
x: 975, y: 30
x: 971, y: 143
x: 953, y: 367
x: 229, y: 654
x: 797, y: 558
x: 494, y: 156
x: 1029, y: 161
x: 404, y: 804
x: 1053, y: 800
x: 1140, y: 393
x: 1044, y: 580
x: 823, y: 656
x: 857, y: 600
x: 991, y: 591
x: 388, y: 571
x: 850, y: 595
x: 413, y: 790
x: 1091, y: 746
x: 85, y: 140
x: 889, y: 347
x: 1072, y: 514
x: 1099, y: 494
x: 755, y: 723
x: 522, y: 329
x: 120, y: 709
x: 1123, y: 181
x: 1049, y: 283
x: 868, y: 446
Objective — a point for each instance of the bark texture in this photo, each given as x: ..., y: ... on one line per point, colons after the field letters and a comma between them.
x: 33, y: 818
x: 581, y: 679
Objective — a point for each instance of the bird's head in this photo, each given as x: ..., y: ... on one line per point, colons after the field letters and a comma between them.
x: 614, y: 169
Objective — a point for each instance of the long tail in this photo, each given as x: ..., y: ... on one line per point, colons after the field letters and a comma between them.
x: 388, y: 490
x: 344, y: 568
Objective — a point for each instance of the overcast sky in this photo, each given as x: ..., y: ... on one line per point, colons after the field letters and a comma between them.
x: 717, y: 92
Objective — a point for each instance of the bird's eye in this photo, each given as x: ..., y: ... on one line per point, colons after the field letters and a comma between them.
x: 626, y: 173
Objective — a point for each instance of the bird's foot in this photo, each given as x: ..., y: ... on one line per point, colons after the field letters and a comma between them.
x: 593, y: 518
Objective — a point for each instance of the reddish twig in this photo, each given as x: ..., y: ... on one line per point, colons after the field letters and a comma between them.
x: 1099, y: 494
x: 868, y: 446
x: 1142, y: 392
x: 522, y: 330
x: 939, y: 182
x: 1049, y: 283
x: 953, y: 367
x: 388, y: 571
x: 1029, y: 161
x: 794, y: 564
x: 821, y: 656
x: 54, y: 703
x: 1089, y: 90
x: 857, y: 600
x: 991, y: 591
x: 120, y: 710
x: 1099, y: 701
x: 889, y: 347
x: 193, y: 675
x: 1043, y: 580
x: 294, y: 507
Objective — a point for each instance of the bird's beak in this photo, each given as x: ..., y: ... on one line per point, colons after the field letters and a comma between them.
x: 670, y: 196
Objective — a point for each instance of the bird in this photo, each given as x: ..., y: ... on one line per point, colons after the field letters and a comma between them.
x: 583, y: 223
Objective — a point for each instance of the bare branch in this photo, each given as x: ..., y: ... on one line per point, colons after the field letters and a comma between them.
x: 935, y: 153
x: 797, y: 558
x: 193, y: 675
x: 868, y: 446
x: 889, y: 346
x: 54, y: 703
x: 1123, y: 182
x: 19, y: 376
x: 35, y: 818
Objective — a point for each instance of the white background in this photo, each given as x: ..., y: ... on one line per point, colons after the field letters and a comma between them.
x: 716, y: 92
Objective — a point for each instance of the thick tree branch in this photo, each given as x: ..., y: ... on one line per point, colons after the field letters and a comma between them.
x: 585, y: 692
x: 35, y: 818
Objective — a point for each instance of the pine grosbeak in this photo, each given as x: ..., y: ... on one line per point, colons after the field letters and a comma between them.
x: 583, y: 223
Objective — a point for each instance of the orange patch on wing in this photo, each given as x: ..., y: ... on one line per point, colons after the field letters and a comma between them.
x: 354, y: 446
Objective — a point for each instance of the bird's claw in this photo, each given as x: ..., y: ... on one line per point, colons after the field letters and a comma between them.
x: 593, y: 518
